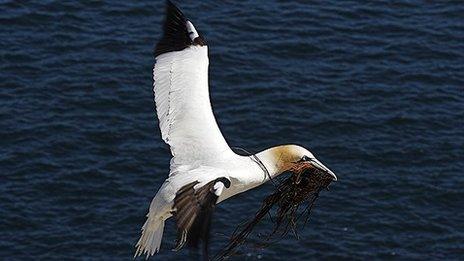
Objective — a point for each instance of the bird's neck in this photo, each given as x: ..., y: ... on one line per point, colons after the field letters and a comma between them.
x: 274, y: 162
x: 275, y: 159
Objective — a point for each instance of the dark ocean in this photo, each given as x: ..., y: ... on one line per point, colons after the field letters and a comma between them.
x: 375, y: 90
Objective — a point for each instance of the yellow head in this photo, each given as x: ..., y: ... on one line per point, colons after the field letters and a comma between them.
x: 286, y: 157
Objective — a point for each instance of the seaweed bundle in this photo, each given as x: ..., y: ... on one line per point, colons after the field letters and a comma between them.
x: 302, y: 187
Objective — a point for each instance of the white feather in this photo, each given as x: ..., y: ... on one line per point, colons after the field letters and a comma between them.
x: 218, y: 187
x: 192, y: 31
x: 150, y: 241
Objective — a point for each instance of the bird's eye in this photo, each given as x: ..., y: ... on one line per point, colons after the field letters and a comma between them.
x: 305, y: 158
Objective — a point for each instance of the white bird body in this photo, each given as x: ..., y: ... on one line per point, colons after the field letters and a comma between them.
x: 201, y: 155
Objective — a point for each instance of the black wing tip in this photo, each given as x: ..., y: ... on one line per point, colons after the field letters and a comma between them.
x: 175, y: 33
x: 172, y: 9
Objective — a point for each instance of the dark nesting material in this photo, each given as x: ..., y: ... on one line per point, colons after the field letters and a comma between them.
x: 301, y: 188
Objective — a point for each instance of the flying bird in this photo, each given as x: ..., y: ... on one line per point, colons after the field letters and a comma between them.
x: 204, y: 170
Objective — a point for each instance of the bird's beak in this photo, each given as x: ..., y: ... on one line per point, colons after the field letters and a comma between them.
x: 317, y: 164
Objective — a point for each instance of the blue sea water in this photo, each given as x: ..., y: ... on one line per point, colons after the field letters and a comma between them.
x: 374, y: 89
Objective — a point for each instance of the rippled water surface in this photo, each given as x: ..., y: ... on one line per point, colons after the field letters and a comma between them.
x: 374, y: 90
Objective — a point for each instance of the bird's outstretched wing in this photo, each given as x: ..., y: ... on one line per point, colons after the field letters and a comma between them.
x: 193, y: 211
x: 181, y: 92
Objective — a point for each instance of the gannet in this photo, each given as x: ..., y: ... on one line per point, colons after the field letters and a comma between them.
x: 204, y: 170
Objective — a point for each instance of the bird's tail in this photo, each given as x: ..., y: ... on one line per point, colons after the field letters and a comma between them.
x: 152, y: 233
